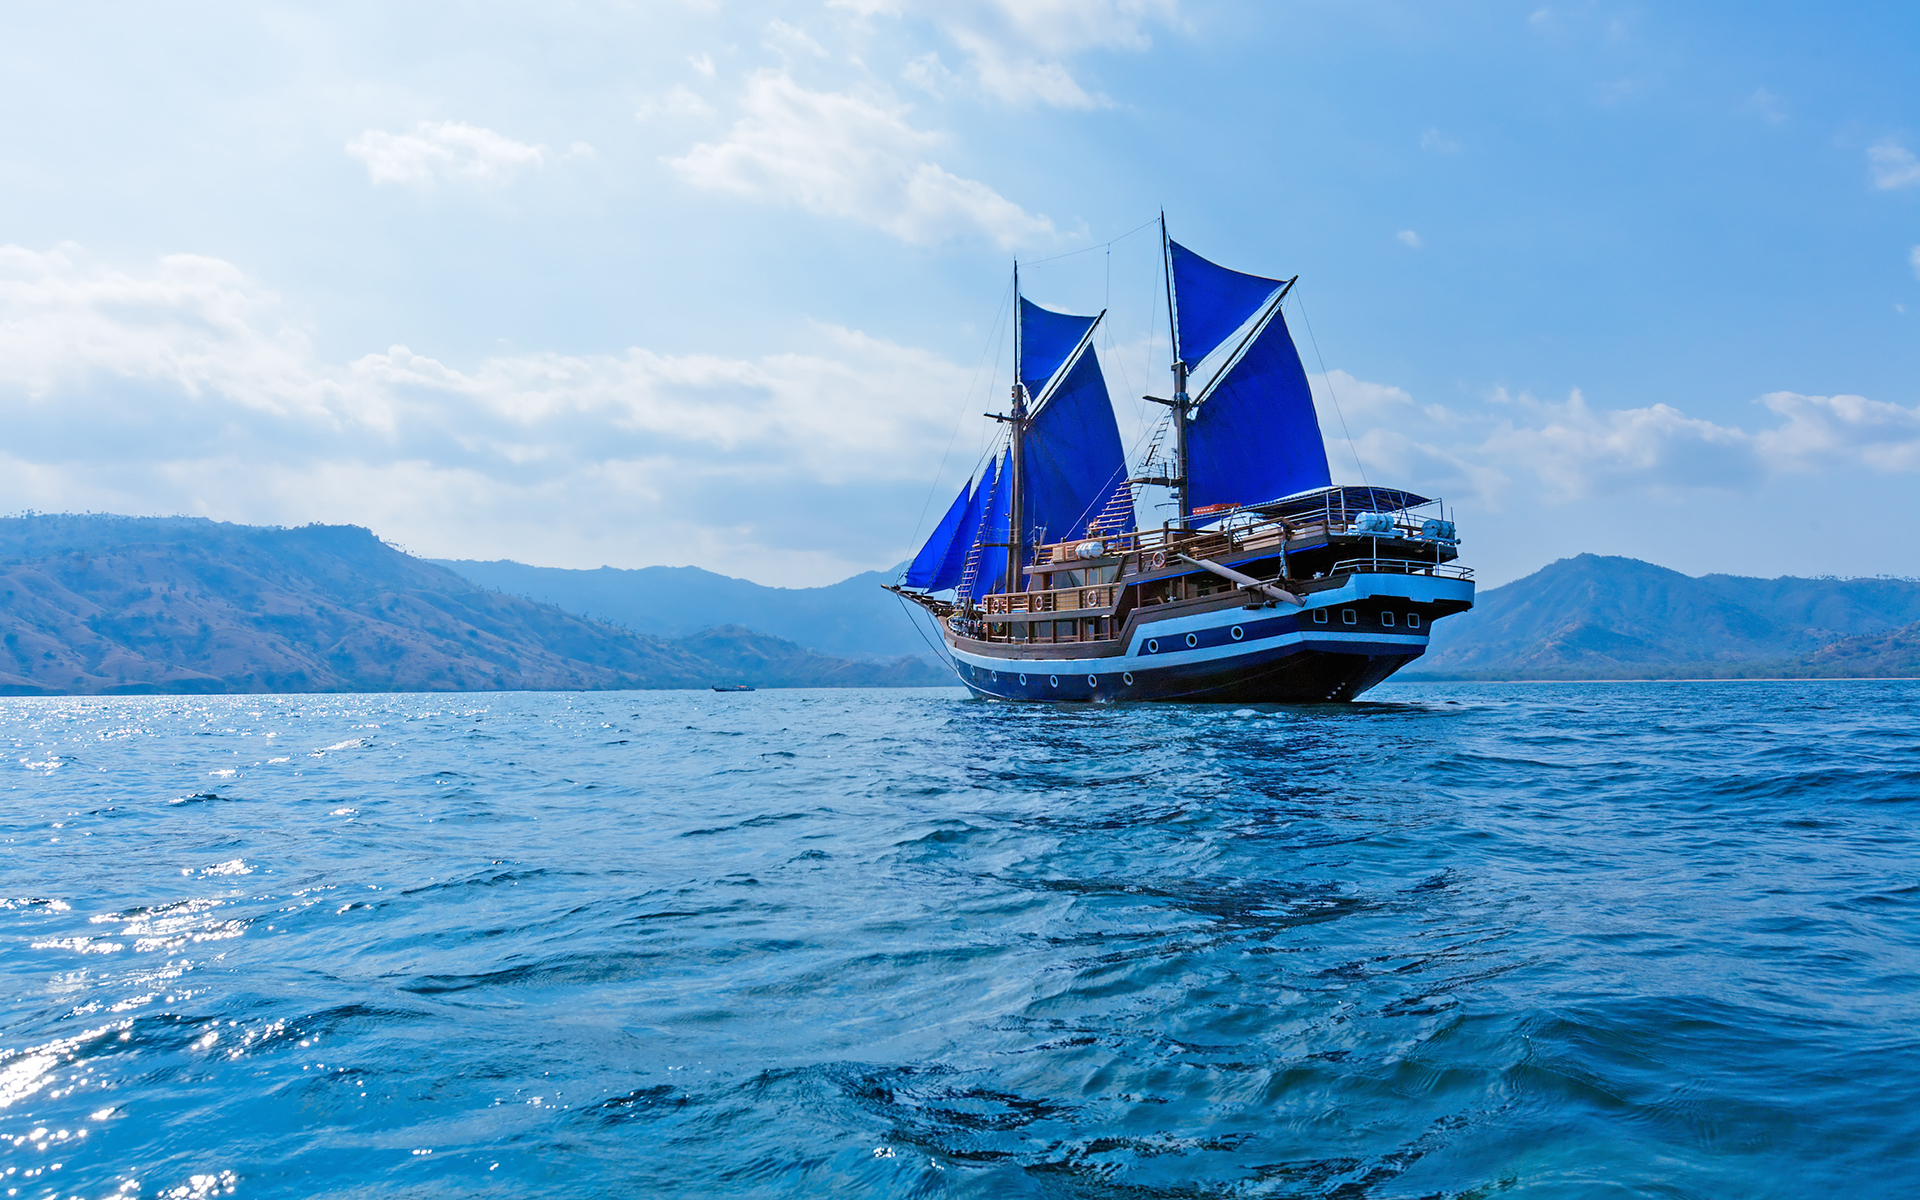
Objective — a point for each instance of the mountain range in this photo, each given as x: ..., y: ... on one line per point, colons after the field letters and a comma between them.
x: 105, y: 604
x: 853, y: 618
x: 1592, y: 617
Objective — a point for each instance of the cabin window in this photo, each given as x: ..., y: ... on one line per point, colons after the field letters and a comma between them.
x: 1319, y: 616
x: 1349, y: 616
x: 1386, y: 618
x: 1413, y: 620
x: 1067, y: 579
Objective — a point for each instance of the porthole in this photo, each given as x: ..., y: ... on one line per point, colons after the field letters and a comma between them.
x: 1319, y: 616
x: 1093, y: 681
x: 1193, y: 639
x: 1349, y: 616
x: 1413, y: 620
x: 1054, y: 680
x: 1023, y: 679
x: 1386, y: 618
x: 1128, y: 676
x: 1153, y: 645
x: 1238, y: 633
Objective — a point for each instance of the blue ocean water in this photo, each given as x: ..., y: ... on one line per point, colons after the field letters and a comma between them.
x: 1464, y: 940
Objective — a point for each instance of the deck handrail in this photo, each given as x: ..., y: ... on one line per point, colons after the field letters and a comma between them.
x: 1399, y: 566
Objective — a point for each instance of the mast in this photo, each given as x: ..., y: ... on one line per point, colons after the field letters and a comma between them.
x: 1016, y: 509
x: 1181, y: 404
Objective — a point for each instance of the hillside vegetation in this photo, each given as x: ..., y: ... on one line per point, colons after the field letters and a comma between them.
x: 102, y: 604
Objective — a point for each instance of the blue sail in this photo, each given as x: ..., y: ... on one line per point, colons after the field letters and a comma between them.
x: 1071, y: 456
x: 925, y: 569
x: 991, y: 568
x: 1046, y: 339
x: 1210, y: 302
x: 1254, y: 436
x: 954, y: 565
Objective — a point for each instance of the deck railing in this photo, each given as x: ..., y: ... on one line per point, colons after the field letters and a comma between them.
x: 1399, y: 566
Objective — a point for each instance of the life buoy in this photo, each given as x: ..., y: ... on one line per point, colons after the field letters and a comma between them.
x: 1159, y: 560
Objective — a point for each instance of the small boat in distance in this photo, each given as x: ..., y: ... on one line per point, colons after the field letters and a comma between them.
x: 732, y: 687
x: 1269, y: 583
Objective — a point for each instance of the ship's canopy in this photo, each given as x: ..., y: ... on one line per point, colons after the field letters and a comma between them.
x: 1071, y: 457
x: 1046, y: 340
x: 1253, y: 436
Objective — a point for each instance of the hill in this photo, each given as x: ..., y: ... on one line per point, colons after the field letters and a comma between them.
x: 1591, y: 617
x: 104, y: 604
x: 852, y: 618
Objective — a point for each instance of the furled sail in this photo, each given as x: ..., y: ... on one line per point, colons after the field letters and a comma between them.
x: 990, y: 567
x: 1047, y: 338
x: 1254, y: 436
x: 1071, y: 456
x: 1210, y: 302
x: 929, y: 567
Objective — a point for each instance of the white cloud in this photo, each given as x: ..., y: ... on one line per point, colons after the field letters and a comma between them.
x: 1914, y: 258
x: 1767, y: 106
x: 450, y: 150
x: 1409, y: 238
x: 1893, y: 165
x: 1021, y: 79
x: 680, y: 101
x: 790, y: 41
x: 844, y: 155
x: 1840, y: 431
x: 1017, y: 49
x: 1433, y: 140
x: 183, y: 388
x: 702, y: 63
x: 1570, y: 450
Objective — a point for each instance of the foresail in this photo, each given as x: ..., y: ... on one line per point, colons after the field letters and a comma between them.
x: 1047, y: 339
x: 1254, y: 436
x: 927, y: 568
x: 953, y: 567
x: 1072, y: 458
x: 990, y: 562
x: 1210, y: 302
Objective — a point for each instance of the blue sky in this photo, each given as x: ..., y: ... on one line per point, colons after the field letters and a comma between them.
x: 715, y: 283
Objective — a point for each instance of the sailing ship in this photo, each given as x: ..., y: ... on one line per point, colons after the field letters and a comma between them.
x: 1265, y: 583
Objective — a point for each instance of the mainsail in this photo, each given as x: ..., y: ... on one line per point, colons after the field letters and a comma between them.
x: 1210, y: 302
x: 1071, y: 458
x: 1255, y: 436
x: 1046, y: 340
x: 1252, y: 434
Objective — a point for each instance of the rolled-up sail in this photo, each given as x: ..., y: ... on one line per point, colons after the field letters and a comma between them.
x: 1254, y: 436
x: 929, y: 567
x: 1210, y: 302
x: 1071, y: 456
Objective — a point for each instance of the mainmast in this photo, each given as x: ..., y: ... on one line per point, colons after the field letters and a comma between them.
x: 1016, y: 497
x: 1181, y: 404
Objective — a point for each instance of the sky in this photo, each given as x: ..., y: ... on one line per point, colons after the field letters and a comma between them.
x: 724, y: 285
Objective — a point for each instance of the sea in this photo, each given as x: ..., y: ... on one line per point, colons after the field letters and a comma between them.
x: 1458, y: 940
